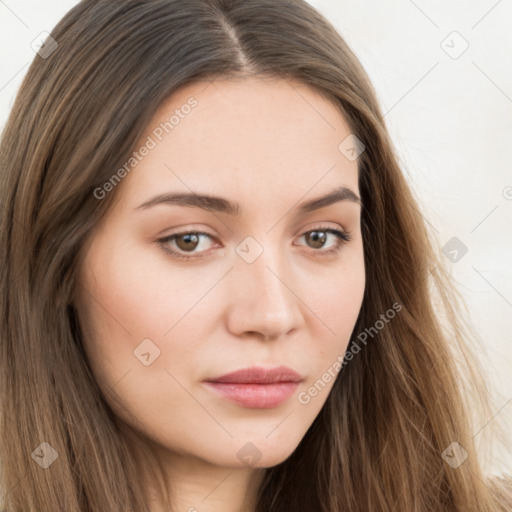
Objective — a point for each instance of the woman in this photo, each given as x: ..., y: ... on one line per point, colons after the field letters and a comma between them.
x: 218, y: 292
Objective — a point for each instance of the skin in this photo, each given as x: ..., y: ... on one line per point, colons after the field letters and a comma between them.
x: 268, y: 144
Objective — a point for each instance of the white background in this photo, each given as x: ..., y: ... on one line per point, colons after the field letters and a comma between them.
x: 450, y: 119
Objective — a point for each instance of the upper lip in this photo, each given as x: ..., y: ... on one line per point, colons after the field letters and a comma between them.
x: 259, y: 375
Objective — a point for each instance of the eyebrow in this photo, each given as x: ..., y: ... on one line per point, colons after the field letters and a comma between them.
x: 219, y: 204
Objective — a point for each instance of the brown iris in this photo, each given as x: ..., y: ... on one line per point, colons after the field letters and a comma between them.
x: 318, y: 237
x: 190, y: 241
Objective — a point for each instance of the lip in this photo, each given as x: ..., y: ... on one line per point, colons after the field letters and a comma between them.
x: 257, y: 387
x: 259, y: 375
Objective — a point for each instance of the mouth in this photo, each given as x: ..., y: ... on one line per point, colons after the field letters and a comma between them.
x: 257, y: 387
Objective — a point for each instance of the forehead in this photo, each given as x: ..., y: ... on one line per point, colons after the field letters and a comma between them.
x: 253, y: 136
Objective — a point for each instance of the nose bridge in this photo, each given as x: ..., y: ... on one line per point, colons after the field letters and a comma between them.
x: 262, y: 299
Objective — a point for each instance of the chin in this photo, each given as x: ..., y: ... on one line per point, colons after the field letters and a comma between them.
x: 262, y: 453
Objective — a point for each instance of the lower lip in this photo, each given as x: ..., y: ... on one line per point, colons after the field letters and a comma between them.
x: 257, y: 396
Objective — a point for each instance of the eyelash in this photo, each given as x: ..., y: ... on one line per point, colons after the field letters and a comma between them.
x: 343, y: 238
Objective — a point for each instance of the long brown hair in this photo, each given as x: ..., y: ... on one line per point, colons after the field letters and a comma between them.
x: 394, y: 410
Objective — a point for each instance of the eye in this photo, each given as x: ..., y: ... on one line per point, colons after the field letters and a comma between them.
x: 179, y: 244
x: 186, y: 242
x: 319, y: 236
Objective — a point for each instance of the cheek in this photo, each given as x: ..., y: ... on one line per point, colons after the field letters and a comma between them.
x: 127, y: 301
x: 334, y: 299
x: 336, y: 292
x: 341, y: 300
x: 143, y: 294
x: 126, y: 304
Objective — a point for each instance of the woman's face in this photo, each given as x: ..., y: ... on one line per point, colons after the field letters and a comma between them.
x: 270, y: 283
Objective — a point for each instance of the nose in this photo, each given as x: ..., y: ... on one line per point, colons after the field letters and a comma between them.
x: 262, y: 298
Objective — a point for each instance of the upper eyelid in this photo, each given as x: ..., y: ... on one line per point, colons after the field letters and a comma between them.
x: 299, y: 232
